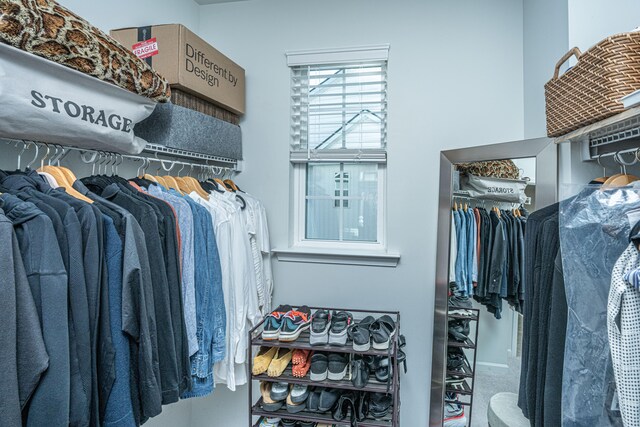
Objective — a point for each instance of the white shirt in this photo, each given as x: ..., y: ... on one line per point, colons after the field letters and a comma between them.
x: 623, y: 325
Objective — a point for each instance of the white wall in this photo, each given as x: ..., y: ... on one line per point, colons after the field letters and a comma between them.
x: 592, y: 20
x: 108, y: 15
x: 455, y: 80
x: 545, y: 41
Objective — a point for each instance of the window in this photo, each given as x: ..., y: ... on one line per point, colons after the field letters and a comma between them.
x: 338, y: 150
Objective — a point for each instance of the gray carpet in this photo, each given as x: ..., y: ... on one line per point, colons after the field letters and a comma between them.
x: 489, y: 381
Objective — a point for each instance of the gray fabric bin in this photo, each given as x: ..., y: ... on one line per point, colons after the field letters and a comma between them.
x: 178, y: 127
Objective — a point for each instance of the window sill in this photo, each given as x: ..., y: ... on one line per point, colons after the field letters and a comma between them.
x: 346, y: 257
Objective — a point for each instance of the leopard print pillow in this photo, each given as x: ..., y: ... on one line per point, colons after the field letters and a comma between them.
x: 49, y: 30
x: 505, y: 169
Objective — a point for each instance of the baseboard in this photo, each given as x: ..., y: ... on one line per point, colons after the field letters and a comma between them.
x: 492, y: 365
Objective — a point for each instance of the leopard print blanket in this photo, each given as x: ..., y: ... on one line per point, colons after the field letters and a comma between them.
x: 49, y: 30
x: 494, y: 168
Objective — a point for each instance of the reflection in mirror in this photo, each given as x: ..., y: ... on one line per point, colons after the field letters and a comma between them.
x: 490, y: 203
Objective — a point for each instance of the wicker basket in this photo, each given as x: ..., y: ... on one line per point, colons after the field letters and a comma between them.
x: 591, y: 90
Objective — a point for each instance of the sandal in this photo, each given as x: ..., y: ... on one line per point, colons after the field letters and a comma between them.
x: 345, y: 405
x: 382, y: 332
x: 263, y: 359
x: 360, y: 334
x: 380, y: 405
x: 299, y: 356
x: 300, y: 370
x: 279, y: 362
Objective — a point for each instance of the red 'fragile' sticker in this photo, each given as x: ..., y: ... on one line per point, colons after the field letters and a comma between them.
x: 146, y: 48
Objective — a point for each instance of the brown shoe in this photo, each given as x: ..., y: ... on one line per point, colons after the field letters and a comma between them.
x: 279, y: 362
x: 263, y: 359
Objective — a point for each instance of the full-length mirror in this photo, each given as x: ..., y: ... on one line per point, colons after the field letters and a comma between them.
x: 486, y: 195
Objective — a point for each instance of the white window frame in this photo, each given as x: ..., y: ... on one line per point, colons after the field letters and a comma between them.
x: 298, y: 194
x: 299, y: 201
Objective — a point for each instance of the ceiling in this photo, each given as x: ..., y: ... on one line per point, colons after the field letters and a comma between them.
x: 203, y: 2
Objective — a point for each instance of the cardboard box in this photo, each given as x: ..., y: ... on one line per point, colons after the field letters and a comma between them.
x: 188, y: 63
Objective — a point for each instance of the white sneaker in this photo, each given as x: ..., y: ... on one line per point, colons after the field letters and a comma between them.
x: 452, y: 420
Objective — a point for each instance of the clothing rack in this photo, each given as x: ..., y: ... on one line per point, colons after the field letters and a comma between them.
x: 212, y: 164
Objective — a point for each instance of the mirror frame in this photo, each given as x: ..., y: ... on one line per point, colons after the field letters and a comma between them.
x: 546, y: 153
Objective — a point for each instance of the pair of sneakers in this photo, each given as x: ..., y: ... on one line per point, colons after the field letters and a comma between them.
x: 330, y: 328
x: 286, y: 324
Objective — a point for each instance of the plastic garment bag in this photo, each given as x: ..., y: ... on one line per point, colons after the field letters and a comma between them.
x: 594, y: 232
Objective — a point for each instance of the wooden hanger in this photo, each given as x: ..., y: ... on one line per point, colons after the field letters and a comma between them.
x: 63, y: 182
x: 622, y: 179
x: 221, y: 183
x: 231, y: 184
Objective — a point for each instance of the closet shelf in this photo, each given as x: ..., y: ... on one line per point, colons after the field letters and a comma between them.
x: 318, y: 417
x: 619, y: 133
x: 161, y: 149
x: 287, y: 377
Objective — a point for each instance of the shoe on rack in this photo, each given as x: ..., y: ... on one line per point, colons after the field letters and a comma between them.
x: 459, y: 329
x: 359, y: 372
x: 459, y: 420
x: 380, y: 405
x: 293, y: 407
x: 345, y: 406
x: 294, y: 322
x: 338, y: 364
x: 384, y: 369
x: 320, y: 324
x: 454, y: 381
x: 328, y: 399
x: 300, y: 370
x: 273, y: 323
x: 452, y: 410
x: 269, y: 422
x: 456, y: 360
x: 382, y: 332
x: 360, y: 335
x: 361, y: 406
x: 340, y: 322
x: 307, y: 424
x: 279, y: 362
x: 299, y: 356
x: 289, y: 423
x: 319, y: 366
x: 313, y: 401
x: 279, y: 391
x: 268, y: 404
x: 299, y: 393
x: 263, y: 359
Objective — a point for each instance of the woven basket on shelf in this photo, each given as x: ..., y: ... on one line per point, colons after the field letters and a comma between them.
x: 591, y: 90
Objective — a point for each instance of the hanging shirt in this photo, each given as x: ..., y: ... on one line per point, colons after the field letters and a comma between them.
x: 623, y: 325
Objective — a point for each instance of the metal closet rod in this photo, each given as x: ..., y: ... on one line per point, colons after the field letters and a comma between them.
x: 100, y: 154
x: 616, y: 153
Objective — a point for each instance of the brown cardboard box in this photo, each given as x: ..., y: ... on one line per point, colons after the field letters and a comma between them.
x: 189, y: 63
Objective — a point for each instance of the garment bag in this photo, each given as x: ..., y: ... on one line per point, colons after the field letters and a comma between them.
x: 594, y: 232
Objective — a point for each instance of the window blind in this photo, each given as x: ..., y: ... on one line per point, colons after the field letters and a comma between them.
x: 339, y: 108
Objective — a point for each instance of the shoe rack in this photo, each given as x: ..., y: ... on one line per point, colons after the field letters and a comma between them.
x: 391, y: 387
x: 464, y: 390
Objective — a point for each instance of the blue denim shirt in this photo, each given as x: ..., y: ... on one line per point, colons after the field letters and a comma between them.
x: 185, y: 221
x: 210, y: 309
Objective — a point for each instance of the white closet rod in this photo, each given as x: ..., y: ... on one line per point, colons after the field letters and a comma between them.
x: 107, y: 158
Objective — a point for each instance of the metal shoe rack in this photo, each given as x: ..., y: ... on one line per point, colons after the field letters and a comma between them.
x: 392, y: 387
x: 466, y: 388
